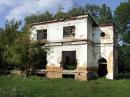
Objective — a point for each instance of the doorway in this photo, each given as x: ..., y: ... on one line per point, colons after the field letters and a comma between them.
x: 102, y: 67
x: 42, y: 61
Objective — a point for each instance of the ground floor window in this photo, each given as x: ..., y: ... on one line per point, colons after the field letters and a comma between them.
x: 69, y: 61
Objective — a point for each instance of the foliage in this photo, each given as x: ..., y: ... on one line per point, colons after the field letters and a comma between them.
x: 7, y: 38
x: 75, y: 11
x: 38, y: 18
x: 101, y: 14
x: 93, y: 10
x: 60, y: 14
x: 105, y: 15
x: 122, y: 16
x: 16, y: 47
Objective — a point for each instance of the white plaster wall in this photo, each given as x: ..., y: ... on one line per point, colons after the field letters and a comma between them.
x: 55, y: 30
x: 33, y: 34
x: 104, y: 48
x: 55, y: 54
x: 105, y: 51
x: 108, y: 34
x: 102, y: 51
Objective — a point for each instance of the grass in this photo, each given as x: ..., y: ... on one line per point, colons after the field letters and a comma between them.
x: 67, y: 87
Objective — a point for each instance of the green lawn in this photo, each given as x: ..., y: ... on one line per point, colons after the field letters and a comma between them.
x: 35, y: 87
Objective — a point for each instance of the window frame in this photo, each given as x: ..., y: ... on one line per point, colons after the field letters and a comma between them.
x: 42, y: 35
x: 71, y: 32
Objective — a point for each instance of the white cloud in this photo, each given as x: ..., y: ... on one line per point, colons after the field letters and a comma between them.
x: 21, y: 8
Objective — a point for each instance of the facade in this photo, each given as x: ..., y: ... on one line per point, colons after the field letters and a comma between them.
x: 77, y: 48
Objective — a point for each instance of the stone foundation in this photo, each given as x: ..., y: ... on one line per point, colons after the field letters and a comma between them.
x: 86, y: 73
x: 53, y: 72
x: 81, y: 73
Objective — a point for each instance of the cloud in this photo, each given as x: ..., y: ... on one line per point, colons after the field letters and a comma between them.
x: 21, y: 8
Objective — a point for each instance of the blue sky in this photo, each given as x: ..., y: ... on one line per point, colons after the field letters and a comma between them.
x: 18, y: 9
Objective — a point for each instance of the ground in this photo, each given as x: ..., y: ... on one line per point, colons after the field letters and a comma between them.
x: 37, y: 87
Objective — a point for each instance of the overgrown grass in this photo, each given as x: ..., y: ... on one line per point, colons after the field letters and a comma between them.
x: 36, y: 87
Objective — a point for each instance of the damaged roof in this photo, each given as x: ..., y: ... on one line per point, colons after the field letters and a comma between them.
x: 73, y: 18
x: 66, y: 19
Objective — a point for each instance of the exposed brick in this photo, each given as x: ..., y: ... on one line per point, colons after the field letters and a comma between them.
x: 85, y: 73
x: 53, y: 72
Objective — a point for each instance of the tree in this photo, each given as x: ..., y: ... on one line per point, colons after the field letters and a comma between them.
x: 93, y: 10
x: 38, y: 18
x: 75, y: 11
x: 122, y: 16
x: 17, y: 49
x: 105, y: 15
x: 101, y: 14
x: 7, y: 38
x: 1, y: 47
x: 60, y: 14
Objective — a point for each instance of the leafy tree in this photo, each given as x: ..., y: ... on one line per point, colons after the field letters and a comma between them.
x: 105, y: 15
x: 93, y: 10
x: 1, y: 46
x: 38, y: 18
x: 75, y: 11
x: 101, y: 14
x: 17, y: 49
x: 60, y: 14
x: 122, y: 16
x: 7, y: 38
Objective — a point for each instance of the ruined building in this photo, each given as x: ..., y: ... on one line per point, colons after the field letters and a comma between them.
x: 78, y: 48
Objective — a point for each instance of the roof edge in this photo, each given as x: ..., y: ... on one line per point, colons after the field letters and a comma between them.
x: 62, y: 19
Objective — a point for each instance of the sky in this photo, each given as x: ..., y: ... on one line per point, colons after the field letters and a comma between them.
x: 19, y: 9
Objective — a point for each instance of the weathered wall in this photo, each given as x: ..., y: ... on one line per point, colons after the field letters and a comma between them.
x: 55, y: 30
x: 108, y: 34
x: 104, y: 48
x: 55, y: 54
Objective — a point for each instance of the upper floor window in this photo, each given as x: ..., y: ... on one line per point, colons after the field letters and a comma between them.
x: 68, y: 31
x: 42, y: 34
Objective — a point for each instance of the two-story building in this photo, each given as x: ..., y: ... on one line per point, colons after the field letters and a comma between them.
x: 78, y: 47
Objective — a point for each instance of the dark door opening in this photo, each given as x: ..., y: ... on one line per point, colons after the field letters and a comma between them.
x: 69, y: 60
x: 42, y: 61
x: 102, y: 67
